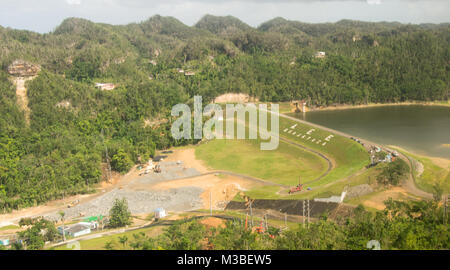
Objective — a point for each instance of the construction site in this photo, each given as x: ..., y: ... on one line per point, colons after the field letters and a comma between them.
x: 206, y: 180
x: 174, y: 183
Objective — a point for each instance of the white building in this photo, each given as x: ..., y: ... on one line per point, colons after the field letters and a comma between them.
x: 105, y: 86
x: 4, y: 242
x: 320, y: 55
x: 75, y: 230
x: 93, y: 225
x: 160, y: 213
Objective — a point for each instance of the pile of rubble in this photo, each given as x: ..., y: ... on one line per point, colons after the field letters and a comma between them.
x: 20, y: 68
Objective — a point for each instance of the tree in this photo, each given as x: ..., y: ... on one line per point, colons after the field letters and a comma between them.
x: 62, y: 214
x: 36, y: 236
x: 120, y: 215
x: 438, y: 191
x: 393, y: 172
x: 109, y: 245
x: 123, y: 240
x: 121, y: 162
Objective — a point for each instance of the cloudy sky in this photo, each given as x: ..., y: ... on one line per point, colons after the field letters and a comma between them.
x: 45, y: 15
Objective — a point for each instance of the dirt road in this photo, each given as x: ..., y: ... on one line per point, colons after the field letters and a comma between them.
x: 22, y: 97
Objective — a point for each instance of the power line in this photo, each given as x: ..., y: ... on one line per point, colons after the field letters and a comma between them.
x: 309, y: 210
x: 303, y: 216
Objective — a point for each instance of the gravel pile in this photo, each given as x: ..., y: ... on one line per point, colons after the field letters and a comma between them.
x: 169, y: 171
x: 359, y: 190
x: 181, y: 199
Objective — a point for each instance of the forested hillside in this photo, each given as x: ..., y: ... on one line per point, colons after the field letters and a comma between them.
x: 161, y: 62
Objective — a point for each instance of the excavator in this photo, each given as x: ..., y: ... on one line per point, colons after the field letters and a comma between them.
x: 297, y: 188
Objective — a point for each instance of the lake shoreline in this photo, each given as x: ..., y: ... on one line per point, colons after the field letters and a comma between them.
x: 370, y: 105
x: 439, y: 160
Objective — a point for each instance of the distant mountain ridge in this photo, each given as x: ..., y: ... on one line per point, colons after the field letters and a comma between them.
x: 57, y: 147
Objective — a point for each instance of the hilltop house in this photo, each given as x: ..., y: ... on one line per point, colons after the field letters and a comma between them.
x: 20, y: 68
x: 320, y: 55
x: 105, y: 86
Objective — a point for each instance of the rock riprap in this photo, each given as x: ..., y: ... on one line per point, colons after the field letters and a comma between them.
x: 21, y: 68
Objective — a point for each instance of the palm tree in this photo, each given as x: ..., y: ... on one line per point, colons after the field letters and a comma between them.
x: 123, y: 240
x: 62, y: 214
x: 109, y: 245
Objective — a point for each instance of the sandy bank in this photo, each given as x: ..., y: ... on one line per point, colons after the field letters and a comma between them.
x: 345, y: 107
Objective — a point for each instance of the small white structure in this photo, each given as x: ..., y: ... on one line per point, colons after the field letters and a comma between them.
x: 75, y: 230
x: 160, y: 213
x: 4, y: 242
x: 333, y: 199
x: 93, y: 225
x: 320, y: 55
x: 105, y: 86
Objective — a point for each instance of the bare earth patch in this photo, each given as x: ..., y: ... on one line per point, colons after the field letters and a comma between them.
x: 234, y: 98
x: 187, y: 155
x: 377, y: 201
x: 21, y: 93
x: 441, y: 162
x: 213, y: 222
x: 222, y: 188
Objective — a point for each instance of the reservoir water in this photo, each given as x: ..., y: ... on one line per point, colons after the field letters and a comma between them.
x: 420, y: 129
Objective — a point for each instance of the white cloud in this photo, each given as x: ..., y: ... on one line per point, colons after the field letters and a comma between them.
x: 73, y: 2
x: 374, y: 2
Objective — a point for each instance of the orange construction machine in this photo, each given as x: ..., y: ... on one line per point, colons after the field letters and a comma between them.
x: 297, y: 188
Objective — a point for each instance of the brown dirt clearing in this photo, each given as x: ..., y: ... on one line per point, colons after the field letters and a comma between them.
x: 213, y: 222
x: 377, y: 201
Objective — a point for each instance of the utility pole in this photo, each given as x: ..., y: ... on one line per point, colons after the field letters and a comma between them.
x: 251, y: 212
x: 308, y: 213
x: 303, y: 216
x: 445, y: 210
x: 108, y: 176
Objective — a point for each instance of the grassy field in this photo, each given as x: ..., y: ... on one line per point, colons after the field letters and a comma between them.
x: 287, y: 163
x: 282, y: 166
x: 9, y: 227
x: 348, y: 156
x: 432, y: 173
x: 334, y: 188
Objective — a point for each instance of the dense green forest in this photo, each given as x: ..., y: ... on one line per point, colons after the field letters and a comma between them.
x: 63, y: 149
